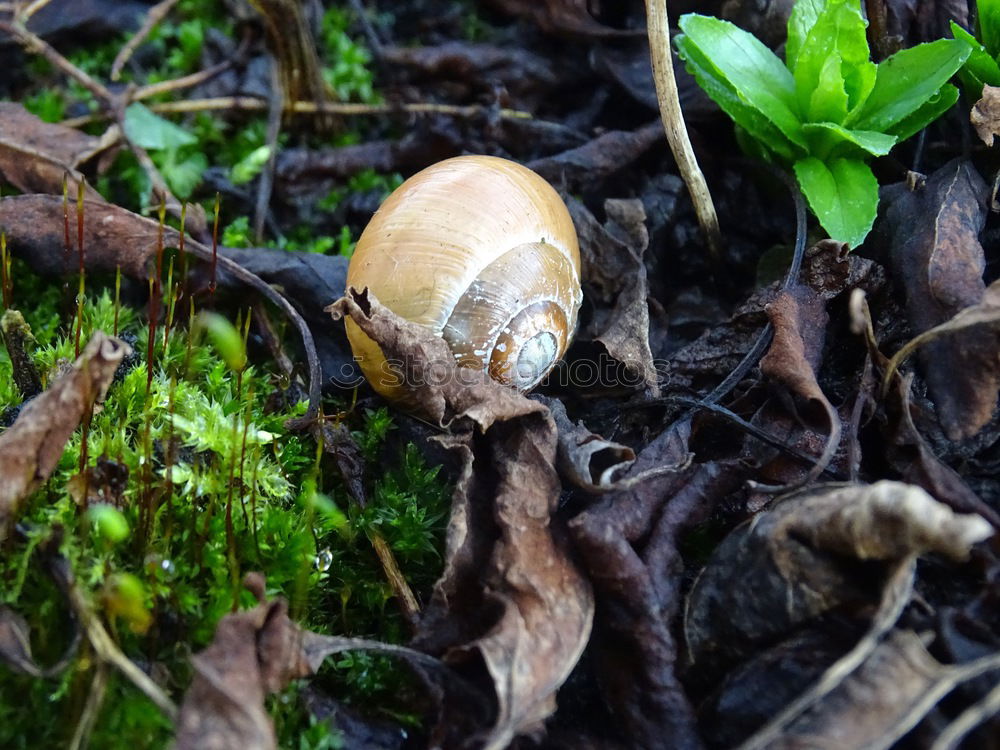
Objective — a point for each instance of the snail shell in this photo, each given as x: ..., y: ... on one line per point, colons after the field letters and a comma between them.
x: 482, y: 251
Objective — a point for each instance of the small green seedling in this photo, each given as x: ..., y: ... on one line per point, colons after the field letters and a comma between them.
x: 982, y: 66
x: 828, y: 108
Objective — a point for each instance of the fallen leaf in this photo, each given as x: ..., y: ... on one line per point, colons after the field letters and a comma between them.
x: 254, y: 653
x: 790, y: 564
x: 614, y: 274
x: 31, y: 448
x: 585, y: 459
x: 510, y: 595
x: 932, y: 236
x: 799, y: 318
x: 36, y: 156
x: 309, y: 281
x: 585, y: 166
x: 568, y: 17
x: 628, y: 542
x: 985, y: 114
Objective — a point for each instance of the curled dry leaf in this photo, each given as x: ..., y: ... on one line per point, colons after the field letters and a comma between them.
x: 31, y: 448
x: 878, y: 703
x: 789, y: 564
x: 36, y: 156
x: 614, y: 273
x: 587, y: 460
x: 799, y: 319
x: 510, y: 595
x: 932, y: 235
x: 985, y: 114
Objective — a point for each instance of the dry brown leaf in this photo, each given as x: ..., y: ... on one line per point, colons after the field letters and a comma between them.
x: 570, y: 17
x: 628, y: 542
x: 787, y: 565
x: 35, y: 156
x: 985, y: 114
x: 253, y: 653
x: 585, y: 459
x: 31, y: 448
x: 799, y: 319
x: 511, y: 599
x: 614, y: 274
x: 932, y: 234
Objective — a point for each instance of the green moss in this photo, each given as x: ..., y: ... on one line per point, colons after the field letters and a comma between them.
x: 217, y: 486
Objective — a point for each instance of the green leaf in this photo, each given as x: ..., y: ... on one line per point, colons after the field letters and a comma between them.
x: 843, y: 194
x: 800, y: 23
x: 745, y: 116
x: 907, y: 80
x: 980, y: 68
x: 828, y: 139
x: 825, y: 99
x: 183, y: 173
x: 936, y: 106
x: 147, y: 129
x: 989, y: 25
x: 833, y: 72
x: 751, y: 70
x: 250, y: 165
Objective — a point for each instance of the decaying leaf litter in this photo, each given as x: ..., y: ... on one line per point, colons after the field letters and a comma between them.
x: 617, y: 571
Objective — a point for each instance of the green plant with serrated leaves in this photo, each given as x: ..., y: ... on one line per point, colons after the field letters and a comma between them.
x: 828, y: 108
x: 983, y: 65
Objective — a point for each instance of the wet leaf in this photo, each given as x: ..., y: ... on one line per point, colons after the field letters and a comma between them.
x: 570, y: 17
x: 254, y: 653
x: 585, y: 459
x: 31, y: 448
x: 583, y: 167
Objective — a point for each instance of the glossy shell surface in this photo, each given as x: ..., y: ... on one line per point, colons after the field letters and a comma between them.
x: 481, y: 251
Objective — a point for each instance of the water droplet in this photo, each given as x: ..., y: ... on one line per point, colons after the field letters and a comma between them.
x: 324, y: 560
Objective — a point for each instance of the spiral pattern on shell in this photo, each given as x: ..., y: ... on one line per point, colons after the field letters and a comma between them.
x: 481, y: 251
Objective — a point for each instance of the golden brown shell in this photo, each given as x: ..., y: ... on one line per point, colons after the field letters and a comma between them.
x: 482, y: 251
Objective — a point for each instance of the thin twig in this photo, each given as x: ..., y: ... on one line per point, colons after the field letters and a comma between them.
x: 31, y: 10
x: 104, y: 646
x: 184, y: 82
x: 253, y: 104
x: 91, y: 709
x: 657, y: 25
x: 968, y: 720
x: 156, y: 14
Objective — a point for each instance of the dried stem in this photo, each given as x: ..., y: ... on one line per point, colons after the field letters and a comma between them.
x: 657, y: 26
x: 184, y: 82
x: 156, y: 14
x: 252, y: 104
